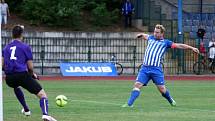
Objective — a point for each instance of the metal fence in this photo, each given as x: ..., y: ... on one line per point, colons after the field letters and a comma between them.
x: 49, y: 52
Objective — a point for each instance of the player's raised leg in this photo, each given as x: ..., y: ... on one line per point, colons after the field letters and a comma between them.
x: 165, y: 93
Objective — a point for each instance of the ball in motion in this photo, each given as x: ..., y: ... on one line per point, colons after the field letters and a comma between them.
x: 61, y: 100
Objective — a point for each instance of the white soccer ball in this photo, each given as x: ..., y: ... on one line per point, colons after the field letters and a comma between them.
x: 61, y: 100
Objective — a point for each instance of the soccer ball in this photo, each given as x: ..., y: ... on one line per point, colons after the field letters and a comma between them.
x: 61, y: 100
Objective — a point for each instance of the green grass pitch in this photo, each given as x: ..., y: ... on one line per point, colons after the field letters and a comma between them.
x: 101, y: 101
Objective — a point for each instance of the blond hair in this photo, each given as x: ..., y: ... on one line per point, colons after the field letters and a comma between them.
x: 161, y: 27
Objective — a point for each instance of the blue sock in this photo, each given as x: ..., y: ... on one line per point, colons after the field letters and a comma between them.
x: 44, y: 105
x: 167, y: 96
x: 133, y: 97
x: 20, y: 96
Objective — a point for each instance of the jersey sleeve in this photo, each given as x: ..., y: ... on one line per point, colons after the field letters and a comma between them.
x: 169, y: 44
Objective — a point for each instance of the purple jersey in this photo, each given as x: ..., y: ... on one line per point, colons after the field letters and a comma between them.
x: 16, y: 54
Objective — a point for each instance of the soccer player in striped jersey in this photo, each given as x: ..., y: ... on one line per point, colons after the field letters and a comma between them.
x: 151, y: 69
x: 17, y: 61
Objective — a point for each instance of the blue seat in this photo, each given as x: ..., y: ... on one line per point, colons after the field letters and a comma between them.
x: 204, y: 16
x: 208, y: 35
x: 195, y: 28
x: 187, y: 28
x: 193, y: 35
x: 209, y: 23
x: 210, y: 16
x: 189, y: 15
x: 195, y: 22
x: 213, y: 28
x: 188, y: 22
x: 209, y: 29
x: 213, y: 34
x: 196, y: 16
x: 186, y: 16
x: 213, y: 22
x: 203, y: 22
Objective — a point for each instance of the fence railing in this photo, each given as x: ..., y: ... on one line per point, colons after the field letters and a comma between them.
x: 48, y: 52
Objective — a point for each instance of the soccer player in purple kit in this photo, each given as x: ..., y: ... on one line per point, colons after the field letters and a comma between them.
x: 17, y: 63
x: 151, y: 69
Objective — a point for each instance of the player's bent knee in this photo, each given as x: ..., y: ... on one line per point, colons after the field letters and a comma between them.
x: 138, y: 85
x: 162, y: 89
x: 42, y: 94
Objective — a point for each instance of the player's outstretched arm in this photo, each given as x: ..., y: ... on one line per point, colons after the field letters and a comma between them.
x: 185, y: 46
x: 142, y: 35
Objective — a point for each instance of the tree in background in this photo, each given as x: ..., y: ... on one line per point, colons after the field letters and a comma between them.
x: 68, y: 13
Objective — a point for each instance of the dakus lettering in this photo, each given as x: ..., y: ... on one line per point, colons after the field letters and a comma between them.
x: 89, y: 69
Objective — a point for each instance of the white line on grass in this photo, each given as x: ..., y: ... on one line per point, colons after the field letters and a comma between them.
x: 119, y: 104
x: 97, y: 102
x: 191, y: 109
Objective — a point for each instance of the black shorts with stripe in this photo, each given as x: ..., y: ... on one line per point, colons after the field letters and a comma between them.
x: 24, y: 80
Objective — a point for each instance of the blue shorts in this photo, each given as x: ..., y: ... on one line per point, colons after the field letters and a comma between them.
x: 147, y: 73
